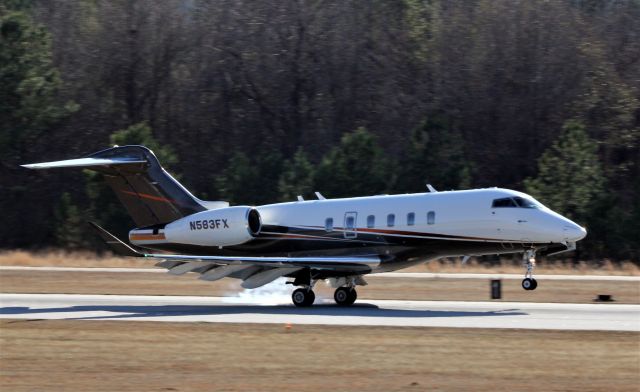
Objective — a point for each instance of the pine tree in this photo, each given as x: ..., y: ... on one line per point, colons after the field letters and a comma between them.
x: 238, y: 180
x: 141, y: 134
x: 296, y: 178
x: 29, y: 103
x: 30, y: 108
x: 252, y: 182
x: 570, y: 178
x: 435, y: 155
x: 357, y: 167
x: 70, y: 226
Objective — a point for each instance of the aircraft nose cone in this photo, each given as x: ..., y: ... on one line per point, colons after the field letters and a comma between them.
x: 574, y: 232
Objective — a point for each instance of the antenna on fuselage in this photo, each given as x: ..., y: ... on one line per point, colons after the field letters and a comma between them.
x: 431, y: 189
x: 300, y: 198
x: 319, y: 196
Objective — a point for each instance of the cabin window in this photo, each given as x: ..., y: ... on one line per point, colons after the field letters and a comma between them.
x: 506, y: 202
x: 328, y: 224
x: 411, y: 219
x: 431, y: 217
x: 391, y: 220
x: 350, y: 223
x: 371, y: 221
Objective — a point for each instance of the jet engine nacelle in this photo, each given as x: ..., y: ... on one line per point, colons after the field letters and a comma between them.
x: 220, y: 227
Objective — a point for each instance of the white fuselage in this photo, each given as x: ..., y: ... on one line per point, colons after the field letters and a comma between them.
x: 399, y: 229
x: 468, y: 214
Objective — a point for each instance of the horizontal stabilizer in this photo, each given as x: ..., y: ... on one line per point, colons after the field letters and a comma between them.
x: 150, y: 194
x: 85, y: 162
x: 114, y: 243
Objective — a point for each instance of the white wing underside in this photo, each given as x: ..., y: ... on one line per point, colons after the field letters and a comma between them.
x: 258, y: 271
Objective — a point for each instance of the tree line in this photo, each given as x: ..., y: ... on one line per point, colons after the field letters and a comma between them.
x: 258, y: 101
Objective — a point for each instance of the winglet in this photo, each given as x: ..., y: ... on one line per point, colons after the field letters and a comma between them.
x: 114, y: 243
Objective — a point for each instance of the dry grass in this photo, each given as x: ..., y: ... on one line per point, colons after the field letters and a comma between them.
x: 61, y: 258
x: 148, y: 356
x: 544, y: 266
x: 147, y: 283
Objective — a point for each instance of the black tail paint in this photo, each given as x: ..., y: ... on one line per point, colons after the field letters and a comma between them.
x: 150, y: 194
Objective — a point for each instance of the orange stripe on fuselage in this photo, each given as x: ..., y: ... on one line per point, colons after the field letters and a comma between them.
x: 146, y: 237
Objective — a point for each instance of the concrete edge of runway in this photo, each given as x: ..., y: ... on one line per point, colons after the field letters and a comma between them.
x: 413, y: 275
x: 394, y: 313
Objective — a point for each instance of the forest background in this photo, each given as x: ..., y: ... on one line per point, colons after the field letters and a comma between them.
x: 258, y: 101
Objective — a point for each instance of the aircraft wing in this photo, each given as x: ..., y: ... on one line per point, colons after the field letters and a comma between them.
x: 254, y: 271
x: 320, y: 261
x: 258, y: 271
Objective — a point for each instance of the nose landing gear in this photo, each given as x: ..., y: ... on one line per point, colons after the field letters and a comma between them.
x: 529, y: 258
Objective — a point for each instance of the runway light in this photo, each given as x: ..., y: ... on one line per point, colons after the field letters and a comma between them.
x: 287, y: 326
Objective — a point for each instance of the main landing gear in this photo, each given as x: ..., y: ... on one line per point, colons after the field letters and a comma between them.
x: 529, y: 258
x: 345, y: 294
x: 303, y: 297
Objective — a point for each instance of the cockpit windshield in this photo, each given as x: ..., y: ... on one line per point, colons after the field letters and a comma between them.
x: 525, y: 203
x: 516, y: 201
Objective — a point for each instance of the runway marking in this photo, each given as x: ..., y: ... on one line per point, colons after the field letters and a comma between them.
x: 609, y: 317
x: 413, y: 275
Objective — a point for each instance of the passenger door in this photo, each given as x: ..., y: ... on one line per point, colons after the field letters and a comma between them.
x: 350, y: 225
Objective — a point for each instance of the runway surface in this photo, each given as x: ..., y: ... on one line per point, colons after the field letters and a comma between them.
x: 609, y: 317
x: 418, y: 275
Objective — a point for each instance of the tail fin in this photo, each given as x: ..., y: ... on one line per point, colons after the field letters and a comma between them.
x: 148, y: 192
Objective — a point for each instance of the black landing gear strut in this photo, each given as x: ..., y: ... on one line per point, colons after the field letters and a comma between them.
x: 529, y: 258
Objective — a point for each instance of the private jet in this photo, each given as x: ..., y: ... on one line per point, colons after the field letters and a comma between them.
x: 336, y: 240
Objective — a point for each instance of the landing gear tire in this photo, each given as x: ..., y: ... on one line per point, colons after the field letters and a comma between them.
x: 529, y: 284
x: 529, y: 258
x: 303, y: 297
x: 345, y: 296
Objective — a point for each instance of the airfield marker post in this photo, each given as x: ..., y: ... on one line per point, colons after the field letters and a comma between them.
x: 496, y: 289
